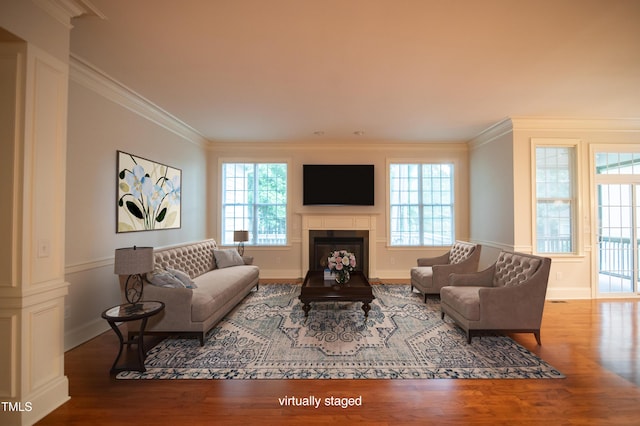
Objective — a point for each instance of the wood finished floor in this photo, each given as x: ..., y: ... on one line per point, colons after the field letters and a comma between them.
x: 596, y: 344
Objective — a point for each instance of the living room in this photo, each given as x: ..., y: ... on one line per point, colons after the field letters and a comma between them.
x: 494, y: 182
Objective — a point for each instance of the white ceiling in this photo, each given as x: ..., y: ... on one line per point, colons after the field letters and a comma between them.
x: 398, y: 70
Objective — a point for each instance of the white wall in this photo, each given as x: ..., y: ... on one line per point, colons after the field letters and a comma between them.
x: 392, y: 262
x: 492, y: 191
x: 104, y: 118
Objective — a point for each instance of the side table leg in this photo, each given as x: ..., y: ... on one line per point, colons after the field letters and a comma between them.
x: 141, y: 354
x: 119, y: 334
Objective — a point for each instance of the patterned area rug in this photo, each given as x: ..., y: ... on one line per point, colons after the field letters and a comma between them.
x: 267, y: 337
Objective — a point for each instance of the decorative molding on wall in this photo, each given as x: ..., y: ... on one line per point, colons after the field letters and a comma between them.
x: 513, y: 124
x: 64, y: 10
x: 497, y: 245
x: 313, y: 145
x: 568, y: 293
x: 501, y: 128
x: 576, y: 124
x: 88, y: 265
x: 92, y: 78
x: 86, y: 332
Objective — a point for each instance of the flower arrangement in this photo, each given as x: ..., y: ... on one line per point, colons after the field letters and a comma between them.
x: 342, y: 263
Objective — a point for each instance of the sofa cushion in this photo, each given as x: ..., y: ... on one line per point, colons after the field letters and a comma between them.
x: 183, y: 277
x: 423, y: 275
x: 512, y: 269
x: 227, y: 258
x: 218, y: 287
x: 460, y: 252
x: 194, y: 258
x: 465, y: 300
x: 163, y: 278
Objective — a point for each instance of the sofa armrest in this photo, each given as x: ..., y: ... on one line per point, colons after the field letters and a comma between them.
x: 177, y: 305
x: 438, y: 260
x: 476, y: 279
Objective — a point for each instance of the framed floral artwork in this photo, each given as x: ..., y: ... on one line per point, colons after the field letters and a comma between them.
x: 148, y: 195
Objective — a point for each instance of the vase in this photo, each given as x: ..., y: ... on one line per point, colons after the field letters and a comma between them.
x: 342, y: 277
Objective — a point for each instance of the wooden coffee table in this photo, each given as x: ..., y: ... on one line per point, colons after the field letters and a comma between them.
x: 316, y: 289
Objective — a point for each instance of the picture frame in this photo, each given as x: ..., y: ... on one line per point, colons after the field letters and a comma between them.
x: 148, y: 194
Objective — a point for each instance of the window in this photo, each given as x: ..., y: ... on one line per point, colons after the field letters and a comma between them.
x: 555, y: 203
x: 421, y: 204
x: 254, y: 198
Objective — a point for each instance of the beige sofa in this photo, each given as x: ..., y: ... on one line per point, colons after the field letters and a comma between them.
x: 432, y: 273
x: 507, y: 296
x: 194, y: 311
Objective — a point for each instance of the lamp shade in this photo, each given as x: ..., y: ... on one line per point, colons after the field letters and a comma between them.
x: 133, y: 260
x: 240, y: 236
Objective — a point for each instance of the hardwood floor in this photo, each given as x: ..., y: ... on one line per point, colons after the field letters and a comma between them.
x: 596, y: 344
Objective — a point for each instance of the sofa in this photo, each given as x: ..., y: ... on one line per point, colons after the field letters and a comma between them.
x: 507, y: 296
x: 432, y: 273
x: 212, y: 283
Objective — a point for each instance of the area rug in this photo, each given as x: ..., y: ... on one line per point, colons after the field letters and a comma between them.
x: 267, y: 337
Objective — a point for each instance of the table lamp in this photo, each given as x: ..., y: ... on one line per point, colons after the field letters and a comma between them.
x: 133, y: 261
x: 240, y: 237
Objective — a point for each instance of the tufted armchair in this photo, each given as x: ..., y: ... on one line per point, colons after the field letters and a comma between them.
x: 432, y: 273
x: 507, y: 296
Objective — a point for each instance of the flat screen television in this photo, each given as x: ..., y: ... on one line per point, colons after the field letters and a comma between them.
x: 338, y: 184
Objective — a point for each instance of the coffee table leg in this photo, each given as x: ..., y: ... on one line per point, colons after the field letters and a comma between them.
x: 306, y: 308
x: 366, y: 308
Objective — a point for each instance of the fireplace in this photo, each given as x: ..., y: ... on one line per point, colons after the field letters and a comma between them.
x: 323, y: 242
x: 345, y: 228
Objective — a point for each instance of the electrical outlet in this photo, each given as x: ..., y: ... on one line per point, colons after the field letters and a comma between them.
x: 44, y: 248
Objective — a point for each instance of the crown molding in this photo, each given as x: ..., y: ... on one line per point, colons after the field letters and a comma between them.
x: 92, y: 78
x: 628, y: 124
x: 312, y: 145
x: 491, y: 133
x: 64, y: 10
x: 556, y: 124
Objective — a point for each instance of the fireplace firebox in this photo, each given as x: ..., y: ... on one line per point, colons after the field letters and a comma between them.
x: 323, y: 242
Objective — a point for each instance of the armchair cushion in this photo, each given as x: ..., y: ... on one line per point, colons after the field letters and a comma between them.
x: 512, y: 269
x: 460, y: 252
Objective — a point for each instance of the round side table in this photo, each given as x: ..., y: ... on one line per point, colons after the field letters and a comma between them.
x: 131, y: 312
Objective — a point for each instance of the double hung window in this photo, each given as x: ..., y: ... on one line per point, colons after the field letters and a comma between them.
x: 555, y: 199
x: 254, y: 198
x: 421, y: 204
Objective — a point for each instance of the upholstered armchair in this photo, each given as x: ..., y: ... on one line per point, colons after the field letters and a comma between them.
x: 432, y: 273
x: 508, y: 296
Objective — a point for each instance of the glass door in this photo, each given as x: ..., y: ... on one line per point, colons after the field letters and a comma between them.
x: 618, y: 238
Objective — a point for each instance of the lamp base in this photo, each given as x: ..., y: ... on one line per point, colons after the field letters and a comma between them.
x: 133, y: 288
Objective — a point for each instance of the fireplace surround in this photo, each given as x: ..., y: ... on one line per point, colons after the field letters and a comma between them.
x: 339, y: 231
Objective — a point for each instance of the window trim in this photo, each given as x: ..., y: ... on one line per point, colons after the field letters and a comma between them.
x: 270, y: 160
x: 576, y: 234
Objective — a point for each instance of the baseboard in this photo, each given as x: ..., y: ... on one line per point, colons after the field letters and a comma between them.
x: 568, y: 293
x: 80, y: 335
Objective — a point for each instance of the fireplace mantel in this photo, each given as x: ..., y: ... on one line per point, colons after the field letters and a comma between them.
x: 327, y: 222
